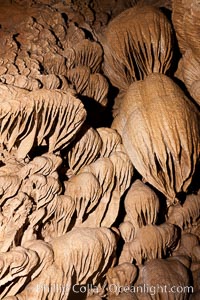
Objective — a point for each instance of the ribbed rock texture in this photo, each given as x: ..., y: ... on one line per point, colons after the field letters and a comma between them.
x: 99, y: 150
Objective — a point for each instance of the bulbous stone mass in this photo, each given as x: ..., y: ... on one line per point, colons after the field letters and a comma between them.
x: 99, y: 150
